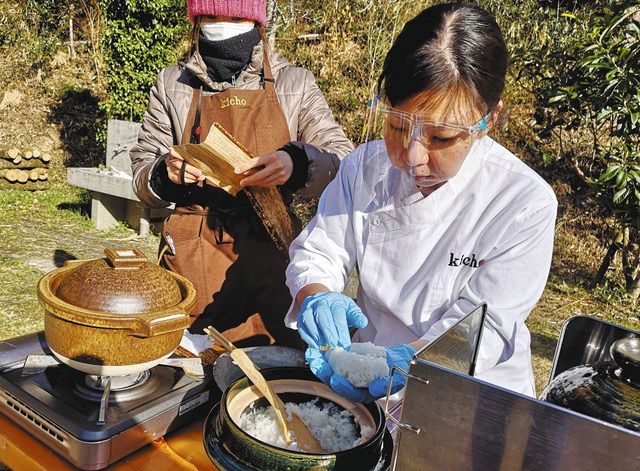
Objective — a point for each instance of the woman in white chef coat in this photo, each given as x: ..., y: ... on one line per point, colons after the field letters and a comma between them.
x: 437, y: 216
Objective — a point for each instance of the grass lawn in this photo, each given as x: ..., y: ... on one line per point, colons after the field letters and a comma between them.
x: 39, y: 231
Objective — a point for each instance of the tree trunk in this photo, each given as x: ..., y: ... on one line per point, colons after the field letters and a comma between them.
x: 10, y: 175
x: 631, y: 261
x: 12, y: 154
x: 271, y: 26
x: 608, y: 258
x: 634, y: 290
x: 29, y: 185
x: 31, y: 163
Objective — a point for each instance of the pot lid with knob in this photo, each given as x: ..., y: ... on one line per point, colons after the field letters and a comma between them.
x: 124, y: 282
x: 121, y: 291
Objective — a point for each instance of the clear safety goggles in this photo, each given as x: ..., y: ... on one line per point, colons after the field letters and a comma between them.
x: 400, y: 128
x: 417, y: 145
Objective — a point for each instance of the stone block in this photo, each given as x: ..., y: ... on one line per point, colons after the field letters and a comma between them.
x: 107, y: 210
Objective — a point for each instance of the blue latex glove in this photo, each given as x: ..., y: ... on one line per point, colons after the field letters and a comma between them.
x: 325, y: 319
x: 399, y: 355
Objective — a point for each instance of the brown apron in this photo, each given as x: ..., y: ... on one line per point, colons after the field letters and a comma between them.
x: 220, y: 243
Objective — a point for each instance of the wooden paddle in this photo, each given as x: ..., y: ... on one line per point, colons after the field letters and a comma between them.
x: 305, y: 440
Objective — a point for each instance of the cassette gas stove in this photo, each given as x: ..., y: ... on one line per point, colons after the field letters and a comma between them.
x: 93, y: 421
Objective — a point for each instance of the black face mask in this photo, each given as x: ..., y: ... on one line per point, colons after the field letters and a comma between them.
x: 227, y: 57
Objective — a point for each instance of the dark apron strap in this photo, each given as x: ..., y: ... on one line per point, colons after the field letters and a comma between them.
x: 267, y: 75
x: 196, y: 130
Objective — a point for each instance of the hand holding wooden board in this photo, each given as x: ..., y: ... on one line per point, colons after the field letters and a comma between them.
x: 217, y: 157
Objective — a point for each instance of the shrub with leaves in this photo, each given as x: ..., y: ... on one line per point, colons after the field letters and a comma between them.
x: 141, y: 37
x: 593, y: 110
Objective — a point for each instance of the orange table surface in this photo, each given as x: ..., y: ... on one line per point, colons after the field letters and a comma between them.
x: 180, y: 450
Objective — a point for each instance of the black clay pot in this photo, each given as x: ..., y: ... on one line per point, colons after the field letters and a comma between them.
x: 608, y: 390
x: 231, y: 448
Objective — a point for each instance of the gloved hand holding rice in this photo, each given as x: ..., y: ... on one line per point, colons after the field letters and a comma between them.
x: 362, y: 373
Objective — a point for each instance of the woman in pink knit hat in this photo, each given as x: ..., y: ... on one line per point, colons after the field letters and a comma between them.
x: 279, y: 114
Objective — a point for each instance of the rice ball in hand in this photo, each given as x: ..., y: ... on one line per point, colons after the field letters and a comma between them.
x: 360, y: 366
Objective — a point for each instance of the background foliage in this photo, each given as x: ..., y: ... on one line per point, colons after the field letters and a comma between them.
x: 140, y: 38
x: 589, y: 102
x: 573, y: 90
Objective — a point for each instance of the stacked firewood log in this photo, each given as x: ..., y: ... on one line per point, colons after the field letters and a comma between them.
x: 24, y: 169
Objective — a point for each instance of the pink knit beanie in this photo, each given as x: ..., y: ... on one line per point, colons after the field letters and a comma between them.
x: 250, y: 9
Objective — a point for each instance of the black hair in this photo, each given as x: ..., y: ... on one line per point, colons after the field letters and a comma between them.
x: 445, y: 47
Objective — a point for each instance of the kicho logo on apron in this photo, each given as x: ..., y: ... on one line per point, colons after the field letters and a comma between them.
x: 232, y: 101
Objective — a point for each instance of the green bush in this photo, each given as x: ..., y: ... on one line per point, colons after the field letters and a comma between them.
x: 589, y: 102
x: 140, y: 38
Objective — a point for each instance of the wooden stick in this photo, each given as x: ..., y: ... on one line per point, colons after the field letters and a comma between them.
x: 23, y: 176
x: 183, y: 352
x: 45, y: 158
x: 28, y: 154
x: 250, y: 370
x: 30, y: 186
x: 9, y: 175
x: 34, y: 175
x: 226, y: 344
x: 33, y: 163
x: 36, y: 153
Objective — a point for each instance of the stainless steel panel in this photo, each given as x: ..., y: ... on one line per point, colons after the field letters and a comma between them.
x: 457, y: 348
x: 467, y: 424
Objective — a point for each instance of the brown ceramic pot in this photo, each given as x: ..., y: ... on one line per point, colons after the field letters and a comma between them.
x: 116, y: 315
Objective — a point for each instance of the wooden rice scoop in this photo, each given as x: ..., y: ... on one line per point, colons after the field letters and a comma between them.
x: 305, y: 440
x: 217, y: 157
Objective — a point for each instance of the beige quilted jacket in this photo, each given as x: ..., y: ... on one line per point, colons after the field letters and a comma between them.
x: 308, y: 115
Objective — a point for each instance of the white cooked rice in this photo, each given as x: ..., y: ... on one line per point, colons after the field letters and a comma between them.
x: 360, y: 366
x: 331, y: 426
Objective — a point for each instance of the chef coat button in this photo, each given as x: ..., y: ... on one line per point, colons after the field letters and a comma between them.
x: 375, y: 221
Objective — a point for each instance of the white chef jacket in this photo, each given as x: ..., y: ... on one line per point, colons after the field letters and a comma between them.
x: 484, y: 236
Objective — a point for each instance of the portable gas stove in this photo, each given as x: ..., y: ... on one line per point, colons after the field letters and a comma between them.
x: 94, y: 421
